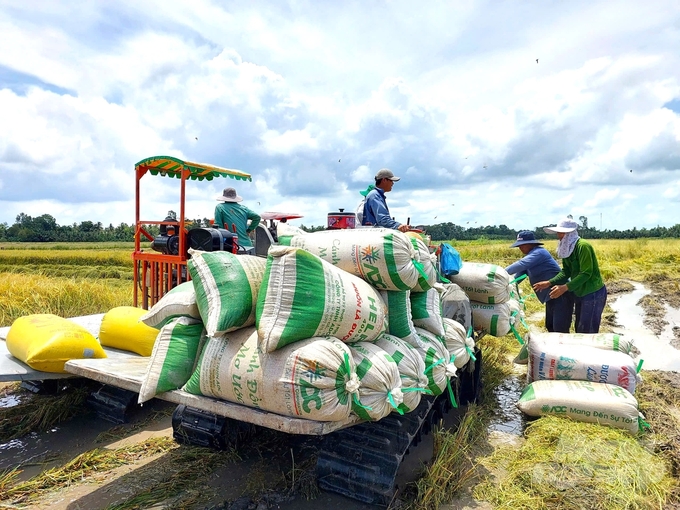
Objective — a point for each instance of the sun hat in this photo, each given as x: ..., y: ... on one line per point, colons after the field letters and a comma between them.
x: 525, y: 237
x: 229, y: 195
x: 386, y: 173
x: 563, y: 226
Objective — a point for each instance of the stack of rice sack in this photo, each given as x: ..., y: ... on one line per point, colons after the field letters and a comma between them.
x: 493, y: 309
x: 586, y: 377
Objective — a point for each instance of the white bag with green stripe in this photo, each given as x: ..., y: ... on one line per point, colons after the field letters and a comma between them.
x: 313, y: 379
x: 303, y: 296
x: 484, y: 283
x: 456, y: 304
x: 426, y: 310
x: 411, y: 369
x: 460, y: 346
x: 385, y: 258
x: 180, y: 301
x: 226, y: 288
x: 496, y: 319
x: 427, y: 271
x: 399, y: 319
x: 177, y: 348
x: 380, y: 384
x: 584, y: 401
x: 439, y: 367
x: 605, y: 341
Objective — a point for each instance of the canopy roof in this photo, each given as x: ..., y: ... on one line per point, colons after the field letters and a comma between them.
x: 173, y: 167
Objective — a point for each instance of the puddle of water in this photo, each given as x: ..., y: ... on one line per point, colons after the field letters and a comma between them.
x: 508, y: 418
x: 656, y: 351
x: 10, y: 401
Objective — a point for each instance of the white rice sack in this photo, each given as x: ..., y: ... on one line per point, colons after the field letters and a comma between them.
x: 581, y: 363
x: 411, y: 369
x: 460, y: 346
x: 385, y: 258
x: 438, y: 365
x: 484, y: 283
x: 605, y: 341
x: 380, y: 384
x: 226, y: 288
x: 427, y: 269
x: 456, y: 305
x: 303, y: 296
x: 426, y: 310
x: 180, y: 301
x: 399, y: 320
x: 175, y: 353
x: 496, y: 320
x: 584, y: 401
x: 313, y: 378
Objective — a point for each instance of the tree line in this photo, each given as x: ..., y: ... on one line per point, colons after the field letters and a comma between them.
x: 44, y: 228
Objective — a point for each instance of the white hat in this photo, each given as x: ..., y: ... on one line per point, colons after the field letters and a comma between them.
x: 229, y: 195
x: 563, y: 226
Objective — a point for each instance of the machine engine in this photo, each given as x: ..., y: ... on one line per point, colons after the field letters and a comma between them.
x: 204, y: 239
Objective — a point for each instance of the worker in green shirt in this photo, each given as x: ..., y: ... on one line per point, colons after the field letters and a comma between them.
x: 234, y: 217
x: 580, y: 274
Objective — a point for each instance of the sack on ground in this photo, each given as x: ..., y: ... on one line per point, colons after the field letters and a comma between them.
x: 460, y: 346
x: 581, y: 363
x: 496, y: 319
x: 385, y: 258
x: 438, y: 365
x: 584, y: 401
x: 484, y: 283
x: 303, y: 296
x: 426, y: 310
x: 399, y: 319
x: 45, y: 342
x: 605, y: 341
x: 122, y: 329
x: 226, y: 288
x: 456, y: 305
x: 427, y: 271
x: 411, y: 369
x: 380, y: 384
x: 180, y: 301
x: 174, y: 357
x: 313, y: 379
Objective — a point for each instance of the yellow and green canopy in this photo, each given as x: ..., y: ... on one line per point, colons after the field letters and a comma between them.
x: 173, y: 167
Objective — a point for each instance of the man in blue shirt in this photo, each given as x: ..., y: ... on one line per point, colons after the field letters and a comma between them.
x: 376, y: 212
x: 539, y: 265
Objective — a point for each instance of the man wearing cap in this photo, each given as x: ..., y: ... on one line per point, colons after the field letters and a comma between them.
x: 234, y: 217
x: 376, y: 212
x: 539, y: 265
x: 580, y: 274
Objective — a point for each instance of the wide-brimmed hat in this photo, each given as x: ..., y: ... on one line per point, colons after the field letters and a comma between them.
x: 525, y: 237
x: 229, y: 195
x: 386, y: 173
x: 563, y: 226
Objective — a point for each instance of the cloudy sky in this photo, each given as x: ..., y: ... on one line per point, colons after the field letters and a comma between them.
x: 314, y: 97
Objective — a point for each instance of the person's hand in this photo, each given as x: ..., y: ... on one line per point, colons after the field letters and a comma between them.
x: 557, y: 291
x: 404, y: 228
x: 541, y: 285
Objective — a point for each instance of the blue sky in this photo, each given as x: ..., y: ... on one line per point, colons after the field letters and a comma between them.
x: 314, y: 97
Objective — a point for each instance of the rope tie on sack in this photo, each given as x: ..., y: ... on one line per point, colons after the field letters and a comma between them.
x: 642, y: 424
x: 352, y: 386
x: 419, y: 266
x: 393, y: 401
x: 467, y: 347
x: 451, y: 373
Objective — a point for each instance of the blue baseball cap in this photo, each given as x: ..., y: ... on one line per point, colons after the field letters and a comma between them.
x: 525, y: 237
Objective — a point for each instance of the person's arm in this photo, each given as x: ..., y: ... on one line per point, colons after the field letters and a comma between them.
x: 254, y: 220
x: 381, y: 213
x: 219, y: 217
x: 585, y: 262
x: 521, y: 267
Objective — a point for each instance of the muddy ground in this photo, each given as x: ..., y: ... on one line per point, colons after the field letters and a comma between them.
x: 270, y: 470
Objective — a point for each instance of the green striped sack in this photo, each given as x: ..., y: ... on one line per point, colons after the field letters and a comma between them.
x: 426, y: 310
x: 380, y: 384
x: 458, y: 343
x: 427, y: 273
x: 180, y: 301
x: 411, y: 369
x: 399, y: 319
x: 438, y: 365
x: 385, y: 258
x: 226, y: 288
x: 174, y: 357
x: 496, y: 319
x: 484, y: 283
x: 313, y: 379
x: 303, y: 296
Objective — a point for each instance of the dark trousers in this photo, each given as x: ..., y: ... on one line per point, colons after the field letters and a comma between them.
x: 559, y: 312
x: 589, y: 310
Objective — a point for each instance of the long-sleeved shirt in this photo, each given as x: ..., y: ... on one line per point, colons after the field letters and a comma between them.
x: 376, y: 212
x: 580, y: 271
x: 539, y: 266
x: 234, y: 217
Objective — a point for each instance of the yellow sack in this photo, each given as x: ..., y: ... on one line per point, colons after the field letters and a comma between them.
x: 45, y: 342
x: 122, y: 329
